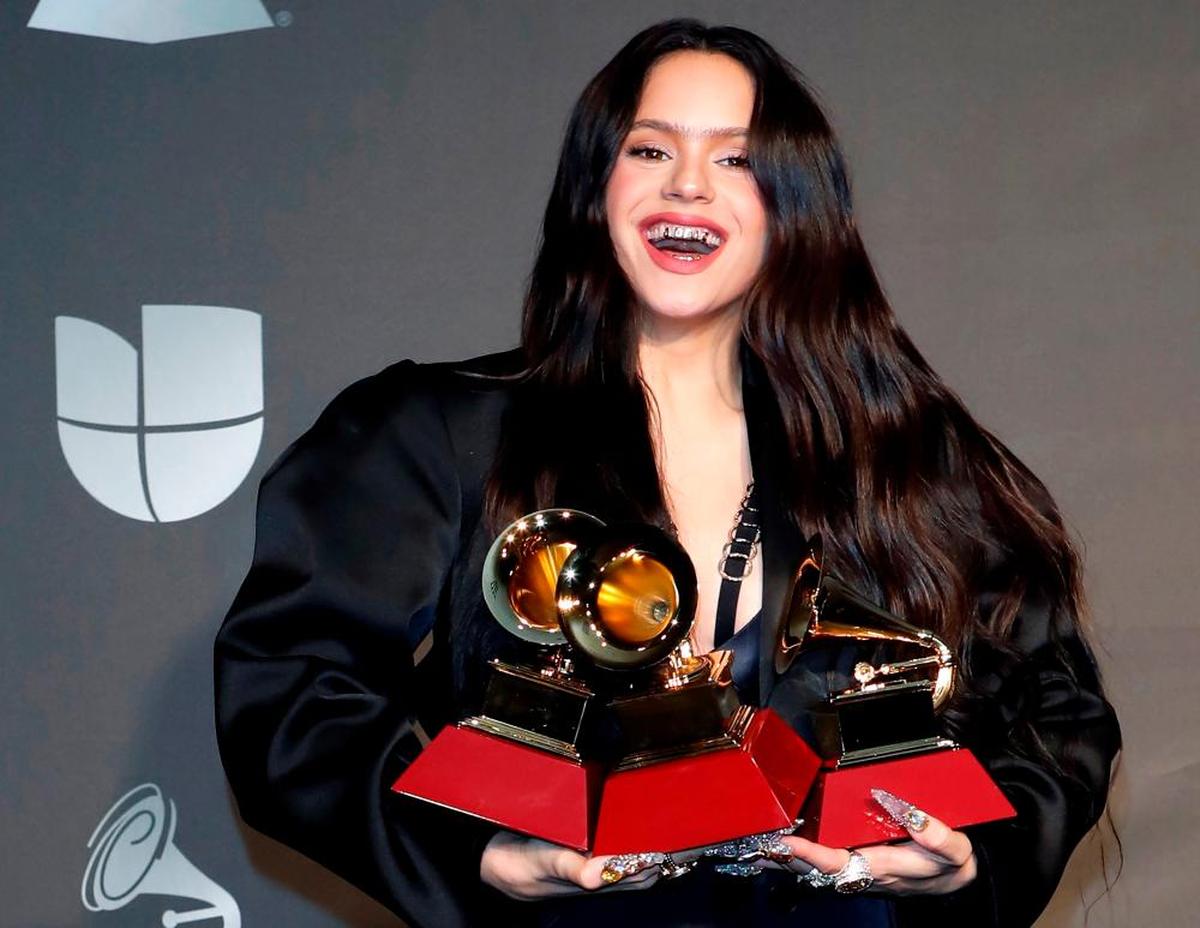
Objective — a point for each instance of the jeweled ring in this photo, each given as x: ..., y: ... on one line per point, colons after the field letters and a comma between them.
x: 855, y: 876
x: 815, y: 878
x: 671, y: 868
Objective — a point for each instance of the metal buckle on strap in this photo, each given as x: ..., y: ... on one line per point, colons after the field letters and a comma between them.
x: 744, y: 521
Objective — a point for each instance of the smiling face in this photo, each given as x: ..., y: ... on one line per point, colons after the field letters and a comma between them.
x: 687, y: 223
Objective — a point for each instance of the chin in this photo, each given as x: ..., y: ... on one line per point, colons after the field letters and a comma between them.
x: 681, y: 297
x: 680, y: 311
x: 677, y: 307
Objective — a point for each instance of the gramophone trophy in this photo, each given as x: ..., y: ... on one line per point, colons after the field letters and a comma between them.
x: 521, y: 762
x: 882, y: 733
x: 626, y: 603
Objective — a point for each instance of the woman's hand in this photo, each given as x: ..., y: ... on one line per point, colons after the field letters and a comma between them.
x: 937, y: 860
x: 527, y: 868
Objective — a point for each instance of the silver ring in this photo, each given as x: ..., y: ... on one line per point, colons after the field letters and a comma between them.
x: 816, y: 879
x: 855, y: 876
x: 671, y: 869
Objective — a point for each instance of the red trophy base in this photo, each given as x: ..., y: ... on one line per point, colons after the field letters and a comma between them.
x: 755, y: 786
x: 520, y: 788
x: 949, y: 784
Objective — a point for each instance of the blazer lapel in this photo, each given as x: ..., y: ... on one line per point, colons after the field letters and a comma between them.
x: 783, y: 545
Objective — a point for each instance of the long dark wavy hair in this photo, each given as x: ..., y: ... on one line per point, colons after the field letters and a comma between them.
x: 913, y: 498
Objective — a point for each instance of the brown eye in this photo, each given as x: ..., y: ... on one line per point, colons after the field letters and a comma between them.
x: 647, y: 153
x: 741, y: 161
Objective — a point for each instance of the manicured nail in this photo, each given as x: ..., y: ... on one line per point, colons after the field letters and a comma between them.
x: 778, y: 852
x: 751, y: 847
x: 903, y: 813
x: 736, y: 869
x: 623, y: 865
x: 611, y: 875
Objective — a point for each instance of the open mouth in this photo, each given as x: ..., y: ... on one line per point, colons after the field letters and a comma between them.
x: 682, y: 240
x: 680, y: 243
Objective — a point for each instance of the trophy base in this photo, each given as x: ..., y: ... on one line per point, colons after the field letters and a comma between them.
x: 538, y: 793
x: 949, y: 784
x: 755, y: 784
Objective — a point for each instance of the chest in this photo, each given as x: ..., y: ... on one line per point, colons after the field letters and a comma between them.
x: 705, y: 473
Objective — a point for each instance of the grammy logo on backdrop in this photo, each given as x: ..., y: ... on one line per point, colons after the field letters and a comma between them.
x: 149, y: 22
x: 134, y: 854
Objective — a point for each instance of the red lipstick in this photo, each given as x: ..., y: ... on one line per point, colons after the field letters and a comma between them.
x: 680, y: 263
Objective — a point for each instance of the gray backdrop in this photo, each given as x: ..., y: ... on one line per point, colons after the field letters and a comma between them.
x: 368, y: 177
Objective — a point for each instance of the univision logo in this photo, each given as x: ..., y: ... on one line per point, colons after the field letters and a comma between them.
x: 149, y: 21
x: 170, y: 433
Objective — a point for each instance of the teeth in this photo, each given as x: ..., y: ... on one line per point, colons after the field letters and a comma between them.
x: 661, y: 230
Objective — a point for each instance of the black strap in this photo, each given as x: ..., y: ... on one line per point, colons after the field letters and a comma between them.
x: 735, y: 560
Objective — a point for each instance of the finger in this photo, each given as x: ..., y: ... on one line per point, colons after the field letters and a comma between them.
x: 550, y: 886
x: 643, y: 880
x: 791, y: 865
x: 568, y: 866
x: 782, y: 857
x: 825, y: 859
x: 686, y: 857
x: 942, y: 840
x: 739, y: 856
x: 888, y: 863
x: 929, y: 832
x: 946, y: 883
x: 747, y: 868
x: 906, y: 861
x: 635, y: 883
x: 591, y: 874
x: 608, y: 870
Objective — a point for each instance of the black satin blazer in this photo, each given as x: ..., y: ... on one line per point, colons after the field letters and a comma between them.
x: 370, y: 541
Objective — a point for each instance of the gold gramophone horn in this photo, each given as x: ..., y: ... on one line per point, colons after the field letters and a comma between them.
x: 628, y: 599
x: 520, y: 572
x: 822, y: 606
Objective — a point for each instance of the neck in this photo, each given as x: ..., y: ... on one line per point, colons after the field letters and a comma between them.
x: 692, y: 363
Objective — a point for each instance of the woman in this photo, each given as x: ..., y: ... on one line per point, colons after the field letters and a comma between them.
x: 702, y: 316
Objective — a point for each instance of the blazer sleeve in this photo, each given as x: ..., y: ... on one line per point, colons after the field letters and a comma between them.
x: 317, y: 697
x: 1045, y: 731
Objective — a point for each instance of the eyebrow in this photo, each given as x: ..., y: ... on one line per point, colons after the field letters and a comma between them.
x: 688, y: 132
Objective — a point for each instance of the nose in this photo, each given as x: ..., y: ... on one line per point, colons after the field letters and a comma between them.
x: 688, y: 180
